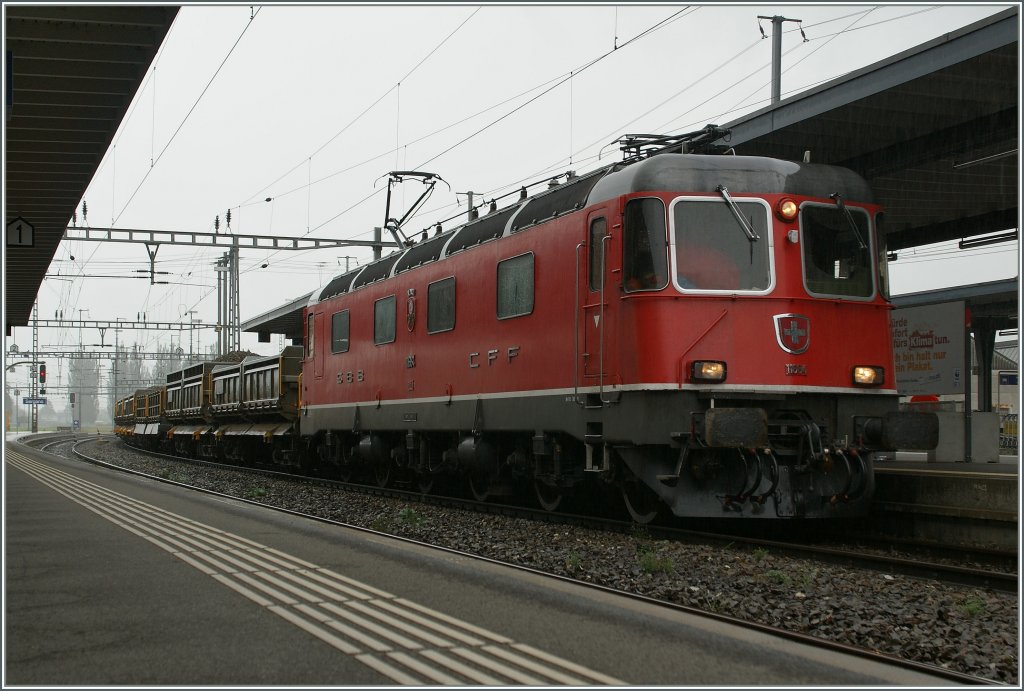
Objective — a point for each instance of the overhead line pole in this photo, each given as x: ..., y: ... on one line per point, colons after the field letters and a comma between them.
x: 220, y: 268
x: 33, y: 386
x: 777, y: 21
x: 234, y: 340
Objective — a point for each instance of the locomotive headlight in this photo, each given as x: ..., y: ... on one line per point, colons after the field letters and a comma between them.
x: 786, y: 209
x: 866, y: 375
x: 707, y: 371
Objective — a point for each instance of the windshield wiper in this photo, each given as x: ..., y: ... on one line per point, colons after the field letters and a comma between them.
x: 849, y: 218
x: 747, y: 229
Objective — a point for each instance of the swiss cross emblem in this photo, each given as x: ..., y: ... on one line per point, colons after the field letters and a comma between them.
x: 793, y: 332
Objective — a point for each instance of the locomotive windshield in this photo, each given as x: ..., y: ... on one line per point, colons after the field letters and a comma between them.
x: 836, y: 255
x: 712, y: 250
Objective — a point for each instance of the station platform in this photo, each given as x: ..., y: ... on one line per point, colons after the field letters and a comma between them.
x: 117, y: 580
x: 949, y: 503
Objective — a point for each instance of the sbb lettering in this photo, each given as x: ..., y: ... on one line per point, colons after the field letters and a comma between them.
x: 349, y: 377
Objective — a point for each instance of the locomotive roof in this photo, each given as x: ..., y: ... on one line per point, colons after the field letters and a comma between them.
x: 693, y: 173
x: 740, y: 174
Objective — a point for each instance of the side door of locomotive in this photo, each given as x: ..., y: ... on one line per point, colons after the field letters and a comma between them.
x: 599, y: 292
x: 321, y: 342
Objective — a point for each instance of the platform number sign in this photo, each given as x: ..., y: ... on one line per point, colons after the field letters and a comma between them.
x: 20, y: 233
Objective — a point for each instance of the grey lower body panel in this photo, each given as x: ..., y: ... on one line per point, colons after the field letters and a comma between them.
x: 652, y: 438
x: 630, y: 417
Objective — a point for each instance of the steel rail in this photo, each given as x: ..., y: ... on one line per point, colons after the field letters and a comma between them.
x: 820, y: 643
x: 915, y: 568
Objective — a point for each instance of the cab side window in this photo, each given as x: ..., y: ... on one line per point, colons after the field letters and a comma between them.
x: 596, y: 243
x: 309, y: 336
x: 644, y: 245
x: 339, y: 332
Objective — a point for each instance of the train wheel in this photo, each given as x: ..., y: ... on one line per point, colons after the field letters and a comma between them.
x: 643, y: 504
x: 480, y: 486
x: 550, y: 498
x: 382, y: 472
x: 425, y: 482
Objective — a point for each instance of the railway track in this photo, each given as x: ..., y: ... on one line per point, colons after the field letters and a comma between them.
x: 822, y: 643
x: 1004, y: 579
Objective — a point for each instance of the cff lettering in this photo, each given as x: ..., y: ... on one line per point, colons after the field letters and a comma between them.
x: 492, y: 356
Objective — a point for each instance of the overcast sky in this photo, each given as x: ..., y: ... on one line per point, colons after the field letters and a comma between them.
x: 312, y: 106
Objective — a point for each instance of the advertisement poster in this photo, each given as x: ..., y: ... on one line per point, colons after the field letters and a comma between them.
x: 928, y: 345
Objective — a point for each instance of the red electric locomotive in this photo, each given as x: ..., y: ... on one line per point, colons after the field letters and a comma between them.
x: 704, y: 332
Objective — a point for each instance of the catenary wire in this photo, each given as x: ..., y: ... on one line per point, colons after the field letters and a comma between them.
x: 364, y: 112
x: 560, y: 81
x: 190, y: 111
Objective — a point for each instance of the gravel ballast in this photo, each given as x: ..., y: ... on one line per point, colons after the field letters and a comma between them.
x: 970, y: 630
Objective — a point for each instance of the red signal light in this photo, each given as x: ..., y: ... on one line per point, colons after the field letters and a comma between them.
x: 42, y: 374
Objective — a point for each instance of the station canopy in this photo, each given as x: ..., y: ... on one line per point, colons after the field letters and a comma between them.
x: 72, y: 72
x: 933, y: 130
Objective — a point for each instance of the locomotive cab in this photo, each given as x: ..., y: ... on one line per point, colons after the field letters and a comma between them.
x: 756, y: 287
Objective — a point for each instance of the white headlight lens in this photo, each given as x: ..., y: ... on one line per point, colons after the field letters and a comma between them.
x: 708, y: 370
x: 864, y: 375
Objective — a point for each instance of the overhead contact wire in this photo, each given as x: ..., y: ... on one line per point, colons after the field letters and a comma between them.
x: 558, y: 81
x: 190, y: 111
x: 366, y: 110
x: 414, y: 141
x: 338, y: 134
x: 546, y: 91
